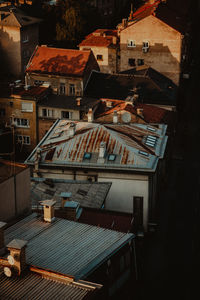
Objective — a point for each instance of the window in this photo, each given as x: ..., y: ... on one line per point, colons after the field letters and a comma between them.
x: 25, y: 38
x: 99, y: 57
x: 111, y: 157
x: 87, y: 155
x: 131, y: 62
x: 26, y: 53
x: 65, y: 114
x: 47, y: 112
x: 72, y: 89
x: 145, y: 47
x: 23, y: 139
x: 62, y: 88
x: 140, y: 61
x: 2, y: 112
x: 27, y: 107
x: 21, y: 122
x: 143, y: 153
x: 131, y: 44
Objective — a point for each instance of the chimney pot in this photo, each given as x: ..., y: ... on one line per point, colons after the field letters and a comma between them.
x: 72, y: 129
x: 90, y: 115
x: 17, y: 257
x: 65, y: 197
x: 48, y: 206
x: 115, y: 117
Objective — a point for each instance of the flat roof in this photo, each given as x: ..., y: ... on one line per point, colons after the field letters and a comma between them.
x: 87, y: 194
x: 66, y: 247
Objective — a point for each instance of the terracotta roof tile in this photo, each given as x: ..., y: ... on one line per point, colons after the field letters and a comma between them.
x: 100, y: 38
x: 58, y: 61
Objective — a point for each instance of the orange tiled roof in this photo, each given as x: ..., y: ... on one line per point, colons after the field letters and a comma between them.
x: 100, y: 38
x: 58, y: 61
x: 152, y: 114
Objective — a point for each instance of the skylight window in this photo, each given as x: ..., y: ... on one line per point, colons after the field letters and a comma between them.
x: 111, y: 157
x: 151, y: 141
x: 87, y: 155
x: 143, y: 153
x: 151, y: 128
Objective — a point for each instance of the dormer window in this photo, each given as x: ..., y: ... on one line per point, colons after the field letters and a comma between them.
x: 131, y: 44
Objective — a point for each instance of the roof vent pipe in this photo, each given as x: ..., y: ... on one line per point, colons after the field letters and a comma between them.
x: 90, y: 115
x: 72, y: 129
x: 48, y: 206
x: 115, y: 117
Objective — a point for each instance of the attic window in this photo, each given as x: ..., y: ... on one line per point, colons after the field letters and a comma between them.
x: 87, y: 155
x: 99, y: 57
x: 151, y: 129
x: 111, y: 157
x: 143, y: 153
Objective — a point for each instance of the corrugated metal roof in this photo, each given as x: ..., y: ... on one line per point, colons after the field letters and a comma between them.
x: 33, y: 286
x: 127, y: 142
x: 65, y: 246
x: 88, y: 194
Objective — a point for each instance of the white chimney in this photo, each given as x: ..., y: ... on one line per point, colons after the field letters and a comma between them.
x: 115, y: 117
x: 2, y: 246
x: 90, y: 115
x: 48, y: 206
x: 65, y: 197
x: 72, y: 129
x: 102, y: 150
x: 17, y: 257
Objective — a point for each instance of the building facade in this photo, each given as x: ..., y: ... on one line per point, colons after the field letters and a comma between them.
x: 65, y: 70
x: 18, y: 39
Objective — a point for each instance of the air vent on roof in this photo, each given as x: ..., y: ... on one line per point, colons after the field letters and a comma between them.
x: 143, y: 153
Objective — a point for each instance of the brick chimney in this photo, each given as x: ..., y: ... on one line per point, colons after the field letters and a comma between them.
x: 65, y: 197
x: 48, y: 206
x: 2, y: 246
x: 115, y: 117
x: 72, y: 129
x: 90, y: 115
x: 17, y: 257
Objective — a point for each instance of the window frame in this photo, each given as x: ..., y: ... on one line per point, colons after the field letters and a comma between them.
x: 133, y: 64
x: 131, y: 43
x: 99, y: 57
x: 72, y: 89
x: 23, y: 139
x: 19, y: 122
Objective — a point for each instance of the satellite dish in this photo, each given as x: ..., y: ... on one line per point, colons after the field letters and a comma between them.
x: 126, y: 117
x: 7, y: 271
x: 11, y: 260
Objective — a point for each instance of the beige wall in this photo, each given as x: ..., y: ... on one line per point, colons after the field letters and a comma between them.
x: 55, y: 83
x: 15, y: 110
x: 164, y: 53
x: 108, y: 62
x: 15, y: 190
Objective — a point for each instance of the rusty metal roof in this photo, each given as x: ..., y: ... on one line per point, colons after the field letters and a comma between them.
x: 34, y: 286
x: 88, y: 194
x: 126, y: 141
x: 66, y: 247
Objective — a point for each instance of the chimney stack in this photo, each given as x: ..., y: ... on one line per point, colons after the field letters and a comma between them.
x: 115, y: 117
x: 65, y: 197
x: 78, y: 101
x: 2, y: 246
x: 72, y: 210
x: 48, y: 206
x: 17, y: 257
x: 102, y: 150
x: 37, y: 160
x: 140, y: 112
x: 124, y: 23
x: 90, y: 115
x: 72, y: 129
